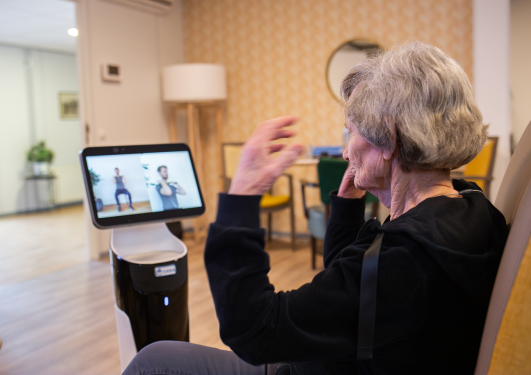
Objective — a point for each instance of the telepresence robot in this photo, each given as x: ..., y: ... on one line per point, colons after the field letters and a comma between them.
x: 150, y: 274
x: 148, y: 263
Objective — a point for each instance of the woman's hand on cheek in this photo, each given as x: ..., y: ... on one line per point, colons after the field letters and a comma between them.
x: 347, y: 188
x: 257, y: 169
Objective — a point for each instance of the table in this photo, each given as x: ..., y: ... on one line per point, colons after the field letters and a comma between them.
x: 50, y: 201
x: 306, y: 161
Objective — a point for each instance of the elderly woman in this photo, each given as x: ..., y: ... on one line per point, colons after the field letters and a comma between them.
x: 412, y: 119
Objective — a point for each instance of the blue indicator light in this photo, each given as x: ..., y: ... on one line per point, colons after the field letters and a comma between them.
x: 166, y: 301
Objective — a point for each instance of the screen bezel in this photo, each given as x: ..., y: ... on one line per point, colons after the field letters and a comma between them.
x: 125, y: 220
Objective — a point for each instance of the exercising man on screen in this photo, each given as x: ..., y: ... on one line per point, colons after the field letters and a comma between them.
x: 120, y: 189
x: 168, y: 190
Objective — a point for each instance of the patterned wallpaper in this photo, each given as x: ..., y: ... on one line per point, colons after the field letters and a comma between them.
x: 276, y: 52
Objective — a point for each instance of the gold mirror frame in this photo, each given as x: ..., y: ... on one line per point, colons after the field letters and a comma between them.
x: 360, y: 44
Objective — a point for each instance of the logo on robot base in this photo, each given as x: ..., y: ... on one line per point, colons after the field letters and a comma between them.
x: 165, y: 270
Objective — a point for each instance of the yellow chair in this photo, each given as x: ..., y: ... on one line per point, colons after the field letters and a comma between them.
x: 480, y: 169
x: 506, y: 341
x: 270, y: 202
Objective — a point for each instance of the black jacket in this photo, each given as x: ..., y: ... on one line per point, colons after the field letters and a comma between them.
x: 436, y: 271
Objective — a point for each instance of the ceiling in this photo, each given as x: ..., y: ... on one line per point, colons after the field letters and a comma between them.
x: 41, y: 24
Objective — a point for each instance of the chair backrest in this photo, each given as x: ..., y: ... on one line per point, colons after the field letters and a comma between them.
x: 506, y: 342
x: 330, y: 173
x: 483, y: 165
x: 155, y: 199
x: 230, y: 156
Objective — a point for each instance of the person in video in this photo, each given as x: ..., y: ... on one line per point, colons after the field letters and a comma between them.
x: 120, y: 189
x: 168, y: 190
x: 412, y: 118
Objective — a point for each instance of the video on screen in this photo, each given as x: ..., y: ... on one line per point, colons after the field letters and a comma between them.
x: 141, y: 183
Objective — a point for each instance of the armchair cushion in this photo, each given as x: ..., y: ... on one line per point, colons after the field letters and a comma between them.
x: 269, y: 201
x: 317, y: 221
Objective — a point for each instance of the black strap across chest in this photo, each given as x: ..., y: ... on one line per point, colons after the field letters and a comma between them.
x: 367, y: 312
x: 368, y: 283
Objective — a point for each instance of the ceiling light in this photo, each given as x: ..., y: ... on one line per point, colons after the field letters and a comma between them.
x: 73, y: 32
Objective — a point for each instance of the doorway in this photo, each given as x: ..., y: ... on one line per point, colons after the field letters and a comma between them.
x: 40, y: 137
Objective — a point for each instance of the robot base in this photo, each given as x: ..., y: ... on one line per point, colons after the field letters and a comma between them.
x: 150, y: 274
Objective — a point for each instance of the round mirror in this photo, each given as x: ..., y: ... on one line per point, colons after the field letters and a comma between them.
x: 345, y: 57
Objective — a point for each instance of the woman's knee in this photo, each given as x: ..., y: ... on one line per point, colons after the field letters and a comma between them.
x: 155, y: 357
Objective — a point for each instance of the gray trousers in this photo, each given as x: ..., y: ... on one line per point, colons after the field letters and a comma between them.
x: 184, y: 358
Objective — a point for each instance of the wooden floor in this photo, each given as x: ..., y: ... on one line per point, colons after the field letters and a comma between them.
x: 37, y: 244
x: 60, y: 320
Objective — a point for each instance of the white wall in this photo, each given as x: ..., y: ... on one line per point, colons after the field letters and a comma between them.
x: 491, y: 76
x: 14, y: 126
x: 29, y: 112
x: 132, y: 111
x: 520, y: 66
x: 54, y: 73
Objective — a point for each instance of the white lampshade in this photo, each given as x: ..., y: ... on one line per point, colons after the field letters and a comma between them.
x: 194, y: 83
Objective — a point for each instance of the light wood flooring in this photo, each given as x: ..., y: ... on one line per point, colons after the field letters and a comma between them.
x: 37, y: 244
x: 59, y: 319
x: 112, y: 209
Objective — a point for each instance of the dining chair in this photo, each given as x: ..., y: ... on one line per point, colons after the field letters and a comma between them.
x: 480, y: 169
x: 330, y: 173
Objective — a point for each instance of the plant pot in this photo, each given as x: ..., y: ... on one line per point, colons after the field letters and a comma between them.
x: 41, y: 168
x: 99, y: 204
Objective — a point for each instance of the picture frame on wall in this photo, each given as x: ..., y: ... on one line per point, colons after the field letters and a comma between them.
x: 68, y: 105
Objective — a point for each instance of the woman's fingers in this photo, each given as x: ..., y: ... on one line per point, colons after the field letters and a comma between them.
x: 286, y: 158
x: 280, y: 122
x: 347, y: 189
x: 257, y: 170
x: 282, y: 133
x: 276, y: 148
x: 275, y: 128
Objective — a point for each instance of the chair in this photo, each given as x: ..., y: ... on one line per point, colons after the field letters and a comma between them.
x: 155, y: 200
x: 126, y: 199
x: 270, y: 202
x: 506, y: 341
x: 330, y: 173
x: 480, y: 169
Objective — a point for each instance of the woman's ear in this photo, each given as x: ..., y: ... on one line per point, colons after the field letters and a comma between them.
x: 392, y: 146
x: 388, y: 154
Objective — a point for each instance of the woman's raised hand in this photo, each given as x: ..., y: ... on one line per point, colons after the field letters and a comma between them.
x: 257, y: 169
x: 347, y: 188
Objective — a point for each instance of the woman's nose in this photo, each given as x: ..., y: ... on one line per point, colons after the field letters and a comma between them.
x: 345, y: 153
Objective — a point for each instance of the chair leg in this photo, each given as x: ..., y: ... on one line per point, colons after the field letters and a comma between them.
x: 269, y: 226
x: 314, y: 250
x: 292, y: 219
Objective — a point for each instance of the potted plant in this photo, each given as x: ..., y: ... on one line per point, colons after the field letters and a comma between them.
x: 95, y: 179
x: 41, y: 157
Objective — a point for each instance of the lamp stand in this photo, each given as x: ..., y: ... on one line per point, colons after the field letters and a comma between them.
x: 194, y: 142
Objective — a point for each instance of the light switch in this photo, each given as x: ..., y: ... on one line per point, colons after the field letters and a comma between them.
x: 111, y: 72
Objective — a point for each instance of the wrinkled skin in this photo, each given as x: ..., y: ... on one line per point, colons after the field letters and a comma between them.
x: 257, y: 169
x: 369, y: 167
x: 378, y: 171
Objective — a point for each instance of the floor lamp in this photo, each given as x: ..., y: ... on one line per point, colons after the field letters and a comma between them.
x: 189, y: 87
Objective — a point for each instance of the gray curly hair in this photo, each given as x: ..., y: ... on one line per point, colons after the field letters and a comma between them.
x: 419, y: 95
